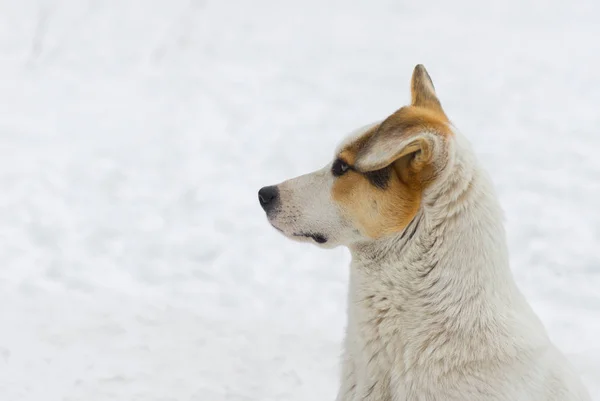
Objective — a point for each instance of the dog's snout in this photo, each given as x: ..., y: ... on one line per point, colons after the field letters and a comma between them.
x: 267, y: 196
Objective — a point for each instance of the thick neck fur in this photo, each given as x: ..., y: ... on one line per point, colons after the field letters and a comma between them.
x: 444, y: 279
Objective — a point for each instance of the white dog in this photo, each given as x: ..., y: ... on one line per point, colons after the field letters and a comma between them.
x: 433, y: 311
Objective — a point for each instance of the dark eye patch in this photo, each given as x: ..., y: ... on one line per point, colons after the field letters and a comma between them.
x: 339, y: 167
x: 379, y: 178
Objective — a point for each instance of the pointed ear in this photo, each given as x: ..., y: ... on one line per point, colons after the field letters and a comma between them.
x: 414, y: 139
x: 422, y: 90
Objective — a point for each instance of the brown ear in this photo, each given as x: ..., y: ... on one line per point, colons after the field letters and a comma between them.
x: 384, y: 150
x: 416, y: 156
x: 414, y: 138
x: 423, y: 92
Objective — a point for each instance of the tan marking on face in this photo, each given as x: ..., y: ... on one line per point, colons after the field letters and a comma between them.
x: 379, y: 212
x: 374, y: 211
x: 348, y: 156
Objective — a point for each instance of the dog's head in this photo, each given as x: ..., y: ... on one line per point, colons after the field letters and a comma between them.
x: 374, y: 186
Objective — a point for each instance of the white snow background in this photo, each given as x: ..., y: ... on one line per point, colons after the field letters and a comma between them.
x: 135, y: 261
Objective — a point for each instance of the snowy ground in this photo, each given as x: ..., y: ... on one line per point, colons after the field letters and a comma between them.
x: 136, y: 262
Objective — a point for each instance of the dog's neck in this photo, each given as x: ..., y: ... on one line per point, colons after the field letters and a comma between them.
x: 447, y: 272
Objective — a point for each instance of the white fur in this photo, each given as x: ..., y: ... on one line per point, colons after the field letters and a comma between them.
x: 433, y: 312
x: 461, y: 332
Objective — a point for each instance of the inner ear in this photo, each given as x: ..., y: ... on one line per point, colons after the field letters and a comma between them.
x: 415, y: 168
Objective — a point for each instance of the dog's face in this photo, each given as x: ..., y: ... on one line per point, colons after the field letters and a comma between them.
x: 373, y: 186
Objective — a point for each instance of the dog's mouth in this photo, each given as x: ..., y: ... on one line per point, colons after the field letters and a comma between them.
x: 318, y: 238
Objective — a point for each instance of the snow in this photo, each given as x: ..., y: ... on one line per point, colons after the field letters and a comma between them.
x: 134, y: 135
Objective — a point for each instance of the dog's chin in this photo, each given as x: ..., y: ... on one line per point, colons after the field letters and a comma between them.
x: 305, y: 236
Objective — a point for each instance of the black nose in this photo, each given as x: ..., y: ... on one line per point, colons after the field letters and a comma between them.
x: 267, y: 196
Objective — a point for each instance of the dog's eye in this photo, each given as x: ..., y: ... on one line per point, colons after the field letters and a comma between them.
x: 339, y: 167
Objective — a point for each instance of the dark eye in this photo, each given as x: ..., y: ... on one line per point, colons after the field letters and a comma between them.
x: 339, y: 167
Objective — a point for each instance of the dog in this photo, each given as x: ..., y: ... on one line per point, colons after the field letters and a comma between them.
x: 434, y: 313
